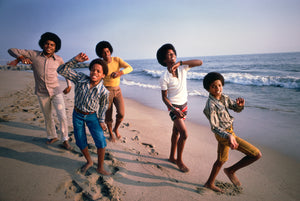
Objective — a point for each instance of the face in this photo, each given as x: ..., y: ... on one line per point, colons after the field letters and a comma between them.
x: 106, y: 55
x: 96, y: 73
x: 49, y: 48
x: 216, y: 89
x: 170, y: 57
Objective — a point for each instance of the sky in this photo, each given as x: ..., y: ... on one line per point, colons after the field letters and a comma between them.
x: 137, y: 28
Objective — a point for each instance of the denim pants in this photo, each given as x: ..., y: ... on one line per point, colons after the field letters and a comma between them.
x: 47, y: 104
x: 92, y: 122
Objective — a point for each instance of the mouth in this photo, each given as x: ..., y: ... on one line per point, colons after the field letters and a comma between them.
x: 94, y: 77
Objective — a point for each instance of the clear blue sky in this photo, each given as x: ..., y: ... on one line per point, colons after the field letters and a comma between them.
x: 137, y: 28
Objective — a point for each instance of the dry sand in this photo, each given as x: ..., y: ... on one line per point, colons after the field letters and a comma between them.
x: 32, y: 170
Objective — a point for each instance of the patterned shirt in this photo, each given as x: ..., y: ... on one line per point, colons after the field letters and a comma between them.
x: 44, y: 70
x: 217, y: 113
x: 86, y: 99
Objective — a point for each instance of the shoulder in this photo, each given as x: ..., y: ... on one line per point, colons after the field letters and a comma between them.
x: 58, y: 58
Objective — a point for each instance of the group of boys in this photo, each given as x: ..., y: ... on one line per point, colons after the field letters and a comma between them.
x: 92, y: 100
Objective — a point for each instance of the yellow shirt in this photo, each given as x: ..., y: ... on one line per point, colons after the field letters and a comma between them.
x: 115, y: 65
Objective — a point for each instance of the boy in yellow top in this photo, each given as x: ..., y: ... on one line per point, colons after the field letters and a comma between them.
x: 112, y: 82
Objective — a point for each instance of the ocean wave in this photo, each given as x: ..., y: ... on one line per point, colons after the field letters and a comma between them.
x: 242, y: 78
x: 139, y: 84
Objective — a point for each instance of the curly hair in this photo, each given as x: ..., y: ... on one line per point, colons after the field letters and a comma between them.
x: 101, y: 45
x: 210, y: 78
x: 50, y: 36
x: 100, y: 62
x: 162, y: 51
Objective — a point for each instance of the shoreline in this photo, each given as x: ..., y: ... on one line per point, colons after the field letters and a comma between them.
x: 32, y: 170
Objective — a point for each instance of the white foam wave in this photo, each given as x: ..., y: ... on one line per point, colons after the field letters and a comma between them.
x: 139, y: 84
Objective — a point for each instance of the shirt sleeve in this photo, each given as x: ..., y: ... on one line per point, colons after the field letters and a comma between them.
x: 66, y: 71
x: 14, y: 52
x: 233, y: 105
x: 163, y: 83
x: 123, y: 64
x: 103, y: 106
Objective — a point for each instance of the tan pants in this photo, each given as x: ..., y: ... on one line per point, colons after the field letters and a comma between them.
x: 115, y: 98
x: 47, y: 104
x: 244, y: 147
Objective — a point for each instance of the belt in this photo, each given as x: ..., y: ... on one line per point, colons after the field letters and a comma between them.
x: 81, y: 112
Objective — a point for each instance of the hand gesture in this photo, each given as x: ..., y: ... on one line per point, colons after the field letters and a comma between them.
x: 232, y: 142
x: 240, y: 102
x: 67, y: 89
x: 103, y: 126
x: 116, y: 74
x: 81, y: 57
x: 13, y: 62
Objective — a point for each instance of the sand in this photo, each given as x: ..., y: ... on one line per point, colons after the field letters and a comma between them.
x: 32, y: 170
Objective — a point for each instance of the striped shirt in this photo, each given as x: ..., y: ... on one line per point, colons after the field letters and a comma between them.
x: 217, y: 113
x: 86, y: 99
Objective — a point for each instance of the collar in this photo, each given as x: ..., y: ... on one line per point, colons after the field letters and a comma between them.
x: 43, y: 55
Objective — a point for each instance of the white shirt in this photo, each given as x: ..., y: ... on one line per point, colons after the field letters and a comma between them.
x: 176, y: 87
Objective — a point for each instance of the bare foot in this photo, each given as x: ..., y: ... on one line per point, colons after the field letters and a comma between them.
x: 213, y: 187
x: 117, y: 133
x: 66, y: 145
x: 51, y: 141
x: 112, y: 138
x: 86, y: 167
x: 172, y: 160
x: 232, y: 177
x: 103, y: 172
x: 182, y: 167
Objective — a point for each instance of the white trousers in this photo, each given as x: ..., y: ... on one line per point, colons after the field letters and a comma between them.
x: 47, y: 104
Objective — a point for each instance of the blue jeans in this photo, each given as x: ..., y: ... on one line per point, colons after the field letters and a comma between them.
x: 92, y: 122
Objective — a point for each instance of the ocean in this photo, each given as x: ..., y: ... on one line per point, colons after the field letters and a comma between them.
x: 269, y: 83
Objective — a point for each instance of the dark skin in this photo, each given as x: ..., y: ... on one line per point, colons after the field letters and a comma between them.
x: 215, y: 90
x: 48, y: 51
x: 179, y: 132
x: 96, y: 75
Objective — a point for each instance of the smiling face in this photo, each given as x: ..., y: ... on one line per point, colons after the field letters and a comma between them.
x: 106, y: 55
x: 215, y: 89
x: 170, y: 58
x: 96, y: 74
x: 49, y: 48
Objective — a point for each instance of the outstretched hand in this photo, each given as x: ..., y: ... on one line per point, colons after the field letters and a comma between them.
x: 81, y: 57
x: 240, y: 102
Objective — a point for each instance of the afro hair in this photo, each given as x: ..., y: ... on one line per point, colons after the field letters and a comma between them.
x: 162, y: 51
x: 101, y: 45
x: 50, y: 36
x: 210, y: 78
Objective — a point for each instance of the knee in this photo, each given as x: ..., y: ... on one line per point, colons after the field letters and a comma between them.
x: 219, y: 163
x: 258, y: 156
x: 184, y: 135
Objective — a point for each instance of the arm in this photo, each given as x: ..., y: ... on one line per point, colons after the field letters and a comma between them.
x: 66, y: 69
x: 167, y: 102
x: 68, y: 88
x: 20, y: 55
x: 102, y: 109
x: 237, y: 105
x: 127, y: 69
x: 190, y: 63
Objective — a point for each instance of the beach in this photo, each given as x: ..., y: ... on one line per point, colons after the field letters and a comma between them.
x: 32, y: 170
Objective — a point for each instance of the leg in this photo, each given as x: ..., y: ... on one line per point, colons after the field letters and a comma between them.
x: 101, y: 154
x: 252, y: 155
x: 88, y: 158
x: 46, y: 107
x: 230, y: 171
x: 210, y: 183
x: 180, y: 125
x: 108, y: 116
x: 120, y: 109
x: 59, y: 104
x: 97, y: 133
x: 81, y: 140
x: 174, y: 141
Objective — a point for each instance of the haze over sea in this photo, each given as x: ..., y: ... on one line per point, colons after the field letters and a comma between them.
x: 270, y: 84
